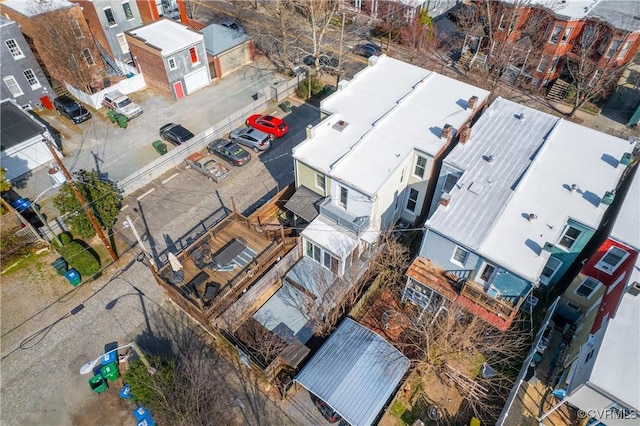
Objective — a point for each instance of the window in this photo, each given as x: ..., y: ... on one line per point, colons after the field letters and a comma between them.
x: 569, y: 237
x: 330, y: 262
x: 75, y: 27
x: 31, y: 78
x: 87, y: 56
x: 589, y: 356
x: 15, y: 50
x: 587, y: 287
x: 502, y: 23
x: 550, y: 270
x: 402, y: 176
x: 514, y: 21
x: 13, y: 86
x: 413, y: 200
x: 343, y: 197
x: 421, y: 167
x: 172, y: 64
x: 613, y: 48
x: 459, y: 256
x: 127, y: 10
x: 554, y: 35
x: 624, y: 50
x: 596, y: 76
x: 122, y: 41
x: 320, y: 182
x: 325, y: 258
x: 565, y: 36
x: 313, y: 251
x: 554, y: 63
x: 449, y: 183
x: 194, y: 55
x: 604, y: 43
x: 611, y: 260
x: 544, y: 62
x: 108, y: 13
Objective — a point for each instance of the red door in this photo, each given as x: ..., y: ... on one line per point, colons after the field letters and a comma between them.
x: 178, y: 90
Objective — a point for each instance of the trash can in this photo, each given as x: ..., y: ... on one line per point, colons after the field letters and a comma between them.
x: 98, y: 384
x: 147, y: 421
x: 73, y: 276
x: 109, y: 358
x: 122, y: 121
x: 160, y: 147
x: 110, y: 371
x: 285, y: 106
x: 60, y: 265
x: 112, y: 115
x: 141, y: 413
x: 125, y: 392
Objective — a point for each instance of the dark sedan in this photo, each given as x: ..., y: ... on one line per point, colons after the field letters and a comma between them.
x: 367, y: 50
x: 175, y: 133
x: 230, y: 151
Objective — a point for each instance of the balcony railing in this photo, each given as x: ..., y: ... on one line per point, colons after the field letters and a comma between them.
x: 343, y: 218
x: 478, y: 294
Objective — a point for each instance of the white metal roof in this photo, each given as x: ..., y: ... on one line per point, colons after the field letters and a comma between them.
x: 536, y: 159
x: 34, y: 8
x: 355, y: 372
x: 218, y: 38
x: 616, y: 369
x: 389, y: 109
x: 167, y: 35
x: 330, y: 236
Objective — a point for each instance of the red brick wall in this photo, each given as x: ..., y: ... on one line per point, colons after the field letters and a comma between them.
x: 149, y: 60
x: 148, y: 11
x: 91, y: 17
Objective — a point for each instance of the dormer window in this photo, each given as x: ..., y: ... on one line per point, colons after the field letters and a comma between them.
x: 612, y: 260
x: 587, y: 287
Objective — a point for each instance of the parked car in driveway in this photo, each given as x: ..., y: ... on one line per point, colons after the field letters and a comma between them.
x: 367, y: 50
x: 327, y: 63
x: 121, y: 104
x: 71, y: 109
x: 229, y: 23
x: 268, y: 124
x: 252, y: 138
x: 230, y: 151
x: 207, y: 165
x: 175, y: 133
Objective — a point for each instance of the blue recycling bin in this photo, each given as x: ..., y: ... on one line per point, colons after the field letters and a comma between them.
x: 73, y: 276
x: 125, y: 392
x: 147, y: 421
x: 21, y: 204
x: 141, y: 413
x: 109, y: 357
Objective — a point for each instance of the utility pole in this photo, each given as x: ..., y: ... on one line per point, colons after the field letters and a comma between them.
x: 129, y: 224
x: 82, y: 201
x: 340, y: 51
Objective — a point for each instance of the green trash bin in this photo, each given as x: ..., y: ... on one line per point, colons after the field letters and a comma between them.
x: 122, y: 121
x: 285, y: 106
x: 112, y: 115
x: 110, y: 371
x: 60, y: 265
x: 160, y: 147
x: 98, y: 384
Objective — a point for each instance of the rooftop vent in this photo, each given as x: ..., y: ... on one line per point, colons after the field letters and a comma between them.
x: 340, y: 125
x: 522, y: 116
x: 531, y: 217
x: 634, y: 290
x: 608, y: 198
x: 343, y: 84
x: 574, y: 187
x: 626, y: 159
x: 489, y: 158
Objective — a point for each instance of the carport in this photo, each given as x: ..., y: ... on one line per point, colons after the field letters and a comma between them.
x: 355, y: 372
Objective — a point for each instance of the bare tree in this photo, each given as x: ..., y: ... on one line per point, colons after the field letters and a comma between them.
x: 320, y: 15
x: 280, y: 38
x: 264, y: 344
x: 593, y: 74
x: 193, y: 8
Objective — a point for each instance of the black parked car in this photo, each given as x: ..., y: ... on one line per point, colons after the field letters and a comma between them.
x: 175, y: 133
x: 328, y: 63
x: 367, y: 50
x: 230, y: 151
x: 71, y: 109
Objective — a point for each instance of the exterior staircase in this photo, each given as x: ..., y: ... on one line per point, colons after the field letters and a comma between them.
x: 559, y: 90
x: 59, y: 88
x: 109, y: 60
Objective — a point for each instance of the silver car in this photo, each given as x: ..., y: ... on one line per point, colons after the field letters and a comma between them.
x: 252, y: 138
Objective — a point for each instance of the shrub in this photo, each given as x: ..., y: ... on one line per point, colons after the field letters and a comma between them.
x: 78, y: 257
x: 303, y: 87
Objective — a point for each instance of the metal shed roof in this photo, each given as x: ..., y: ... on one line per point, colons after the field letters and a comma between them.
x: 218, y: 39
x: 355, y: 372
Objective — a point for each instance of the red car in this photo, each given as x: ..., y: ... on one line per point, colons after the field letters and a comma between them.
x: 268, y: 124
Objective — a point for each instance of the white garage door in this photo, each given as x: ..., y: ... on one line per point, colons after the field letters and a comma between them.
x: 196, y: 80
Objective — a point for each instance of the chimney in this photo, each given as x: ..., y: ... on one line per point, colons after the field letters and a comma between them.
x: 465, y: 133
x: 311, y: 132
x: 446, y: 132
x: 445, y: 199
x: 471, y: 103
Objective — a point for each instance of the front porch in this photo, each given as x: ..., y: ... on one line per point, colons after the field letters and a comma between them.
x: 457, y: 287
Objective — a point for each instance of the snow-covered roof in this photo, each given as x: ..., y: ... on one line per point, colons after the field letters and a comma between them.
x: 330, y: 236
x: 382, y: 115
x: 218, y: 38
x: 35, y: 8
x: 616, y: 369
x: 167, y: 35
x: 520, y: 161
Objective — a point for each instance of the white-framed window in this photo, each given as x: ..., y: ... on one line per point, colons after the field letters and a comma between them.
x: 544, y: 62
x: 108, y: 13
x: 193, y: 54
x: 172, y: 63
x: 566, y: 35
x: 449, y: 182
x: 313, y: 251
x: 569, y: 237
x: 613, y: 48
x: 502, y: 24
x: 625, y: 49
x: 344, y: 193
x: 604, y: 43
x: 421, y: 167
x: 514, y: 21
x: 122, y: 41
x: 128, y: 13
x: 459, y: 256
x: 75, y: 27
x: 32, y: 79
x: 412, y: 201
x: 13, y: 86
x: 87, y: 56
x: 15, y: 50
x: 554, y: 63
x: 320, y: 181
x: 587, y: 287
x: 323, y: 257
x: 612, y: 259
x: 555, y: 34
x: 549, y: 270
x: 330, y: 262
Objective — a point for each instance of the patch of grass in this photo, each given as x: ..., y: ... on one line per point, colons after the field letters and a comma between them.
x: 24, y: 262
x: 397, y: 409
